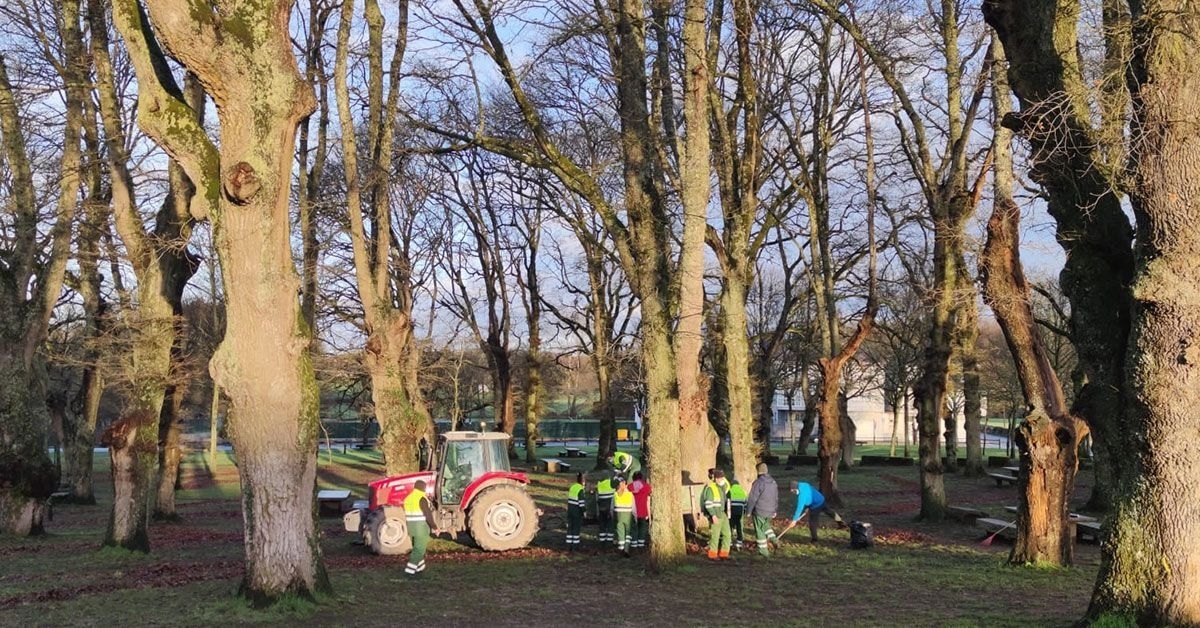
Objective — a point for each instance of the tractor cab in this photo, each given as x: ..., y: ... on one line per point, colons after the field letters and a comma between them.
x: 472, y: 487
x: 465, y: 457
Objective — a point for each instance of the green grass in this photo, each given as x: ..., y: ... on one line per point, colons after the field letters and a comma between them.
x: 917, y: 575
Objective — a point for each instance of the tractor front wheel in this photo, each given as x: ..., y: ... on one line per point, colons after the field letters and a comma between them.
x: 503, y: 517
x: 388, y: 532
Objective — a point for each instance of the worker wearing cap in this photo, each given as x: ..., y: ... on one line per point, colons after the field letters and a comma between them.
x: 761, y: 504
x: 715, y: 499
x: 737, y: 510
x: 576, y: 502
x: 604, y: 508
x: 623, y: 509
x: 418, y: 516
x: 625, y: 464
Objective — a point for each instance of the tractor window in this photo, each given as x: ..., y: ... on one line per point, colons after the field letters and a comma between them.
x: 498, y: 452
x: 464, y: 462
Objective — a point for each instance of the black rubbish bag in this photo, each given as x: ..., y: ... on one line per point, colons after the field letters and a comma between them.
x: 862, y: 535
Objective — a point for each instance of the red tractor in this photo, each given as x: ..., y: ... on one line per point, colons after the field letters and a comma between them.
x: 471, y: 487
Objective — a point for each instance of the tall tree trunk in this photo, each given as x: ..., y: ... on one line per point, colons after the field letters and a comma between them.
x: 930, y: 391
x: 738, y: 177
x: 81, y: 437
x: 765, y: 382
x: 402, y: 417
x: 949, y: 213
x: 699, y: 441
x: 968, y: 334
x: 898, y: 424
x: 829, y: 448
x: 808, y: 422
x: 1152, y: 560
x: 80, y: 415
x: 532, y: 298
x: 950, y: 439
x: 245, y: 61
x: 177, y: 264
x: 310, y: 178
x: 849, y: 432
x: 746, y: 453
x: 1048, y: 436
x: 606, y: 440
x: 1149, y: 566
x: 163, y: 265
x: 29, y: 289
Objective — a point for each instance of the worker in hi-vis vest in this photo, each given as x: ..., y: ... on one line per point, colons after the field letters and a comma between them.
x: 576, y: 503
x: 623, y: 509
x: 418, y: 516
x: 604, y: 505
x: 715, y: 499
x: 737, y: 511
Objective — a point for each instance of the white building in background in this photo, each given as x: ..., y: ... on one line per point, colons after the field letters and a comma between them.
x: 872, y: 417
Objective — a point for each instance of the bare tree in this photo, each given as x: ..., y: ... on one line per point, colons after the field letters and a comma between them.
x: 31, y: 279
x: 668, y: 294
x: 1134, y: 308
x: 163, y: 265
x: 941, y: 165
x: 1047, y: 479
x: 810, y: 162
x: 480, y: 269
x: 597, y: 312
x: 382, y: 270
x: 530, y: 225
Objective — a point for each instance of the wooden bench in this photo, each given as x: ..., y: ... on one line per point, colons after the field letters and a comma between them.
x: 553, y: 465
x: 965, y: 514
x: 1006, y: 529
x: 575, y: 452
x: 1003, y: 478
x: 541, y: 443
x: 1087, y: 529
x: 1073, y: 516
x: 332, y: 500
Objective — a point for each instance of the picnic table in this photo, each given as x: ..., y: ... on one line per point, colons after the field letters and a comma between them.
x: 1073, y: 516
x: 572, y: 452
x: 1003, y: 478
x: 1088, y: 529
x: 553, y: 465
x: 332, y: 500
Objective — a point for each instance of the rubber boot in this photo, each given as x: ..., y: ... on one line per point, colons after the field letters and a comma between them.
x: 724, y: 555
x: 712, y: 554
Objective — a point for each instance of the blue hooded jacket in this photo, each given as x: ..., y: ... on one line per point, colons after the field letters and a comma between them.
x: 807, y: 497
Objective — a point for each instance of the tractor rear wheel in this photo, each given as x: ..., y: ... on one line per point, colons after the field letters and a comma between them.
x: 503, y: 517
x: 388, y: 531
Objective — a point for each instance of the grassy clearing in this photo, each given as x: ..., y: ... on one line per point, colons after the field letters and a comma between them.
x: 917, y: 575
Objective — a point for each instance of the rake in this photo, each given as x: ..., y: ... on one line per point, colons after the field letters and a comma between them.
x: 988, y: 541
x: 791, y: 525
